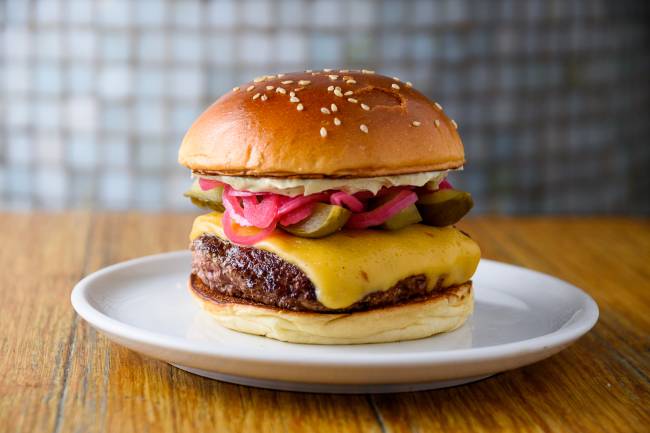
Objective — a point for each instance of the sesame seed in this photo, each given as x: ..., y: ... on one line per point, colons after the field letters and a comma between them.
x: 324, y: 110
x: 348, y: 93
x: 333, y: 77
x: 396, y: 79
x: 323, y: 132
x: 344, y: 71
x: 364, y: 128
x: 287, y: 82
x: 330, y: 88
x: 269, y: 77
x: 394, y: 86
x: 327, y: 70
x: 354, y: 101
x: 255, y: 96
x: 437, y: 123
x: 453, y: 122
x: 281, y: 75
x: 249, y: 88
x: 338, y: 92
x: 314, y: 74
x: 270, y: 87
x: 337, y: 121
x: 416, y: 123
x: 304, y: 82
x: 351, y: 82
x: 409, y: 84
x: 438, y: 106
x: 298, y: 89
x: 281, y: 90
x: 308, y: 71
x: 264, y: 98
x: 367, y: 71
x: 258, y: 79
x: 292, y: 93
x: 300, y: 107
x: 235, y: 89
x: 365, y: 107
x: 334, y: 108
x: 294, y: 99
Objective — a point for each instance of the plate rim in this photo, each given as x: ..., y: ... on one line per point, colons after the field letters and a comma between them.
x: 587, y: 318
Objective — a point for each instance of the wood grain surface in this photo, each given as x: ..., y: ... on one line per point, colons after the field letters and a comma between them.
x: 59, y: 375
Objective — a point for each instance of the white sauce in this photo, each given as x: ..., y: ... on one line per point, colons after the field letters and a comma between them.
x: 294, y: 187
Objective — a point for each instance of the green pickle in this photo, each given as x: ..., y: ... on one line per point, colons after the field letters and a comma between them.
x: 208, y: 199
x: 407, y: 216
x: 445, y: 207
x: 325, y: 220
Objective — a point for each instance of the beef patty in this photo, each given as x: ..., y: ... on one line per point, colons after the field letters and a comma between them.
x: 262, y: 277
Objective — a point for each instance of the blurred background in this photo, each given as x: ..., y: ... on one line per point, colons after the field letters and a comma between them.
x: 552, y: 97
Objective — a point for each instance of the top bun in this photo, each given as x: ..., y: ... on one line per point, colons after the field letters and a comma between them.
x: 332, y: 123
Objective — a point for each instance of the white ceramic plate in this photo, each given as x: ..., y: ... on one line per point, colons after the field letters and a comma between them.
x: 521, y: 317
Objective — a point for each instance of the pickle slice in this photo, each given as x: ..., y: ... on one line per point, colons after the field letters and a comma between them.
x: 325, y: 220
x: 208, y: 199
x: 407, y: 216
x: 445, y: 207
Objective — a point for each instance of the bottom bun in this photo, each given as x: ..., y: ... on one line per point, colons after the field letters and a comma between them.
x: 442, y: 311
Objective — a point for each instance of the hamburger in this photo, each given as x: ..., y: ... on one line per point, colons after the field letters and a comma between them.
x: 331, y: 217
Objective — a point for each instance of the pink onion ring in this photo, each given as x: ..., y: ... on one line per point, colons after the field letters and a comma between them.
x: 261, y: 214
x: 297, y: 215
x: 341, y: 198
x: 300, y: 201
x: 230, y: 232
x: 379, y: 215
x: 208, y: 184
x: 233, y: 207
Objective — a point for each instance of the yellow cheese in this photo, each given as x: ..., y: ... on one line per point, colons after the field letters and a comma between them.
x: 350, y: 264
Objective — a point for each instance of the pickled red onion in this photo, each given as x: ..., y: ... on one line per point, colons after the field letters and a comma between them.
x: 341, y: 198
x: 231, y: 233
x: 300, y: 201
x: 364, y: 195
x: 379, y: 215
x: 297, y: 215
x: 261, y: 214
x: 233, y: 207
x: 387, y: 190
x: 445, y: 184
x: 208, y: 184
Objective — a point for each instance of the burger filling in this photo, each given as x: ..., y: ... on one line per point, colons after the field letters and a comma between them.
x: 332, y: 250
x: 221, y: 268
x: 339, y: 270
x: 323, y: 213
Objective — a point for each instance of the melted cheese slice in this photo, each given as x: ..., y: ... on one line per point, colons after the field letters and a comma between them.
x: 348, y: 265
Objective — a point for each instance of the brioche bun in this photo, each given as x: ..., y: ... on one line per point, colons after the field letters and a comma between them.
x: 440, y: 312
x: 259, y: 131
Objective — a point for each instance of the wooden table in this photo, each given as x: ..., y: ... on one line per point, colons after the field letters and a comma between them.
x: 59, y: 375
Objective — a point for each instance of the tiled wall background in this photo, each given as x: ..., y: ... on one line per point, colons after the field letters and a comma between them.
x: 551, y: 96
